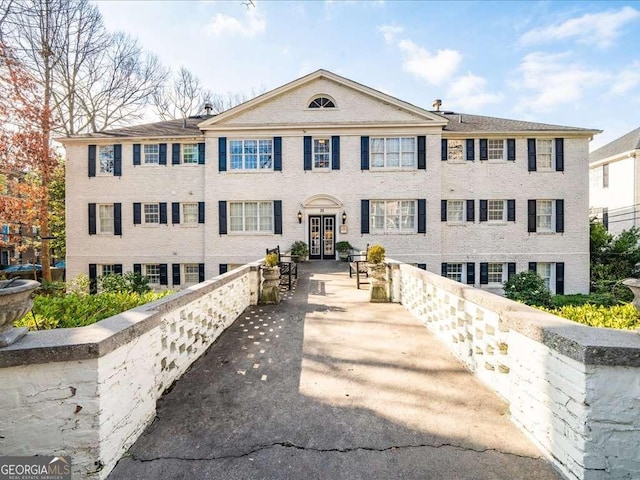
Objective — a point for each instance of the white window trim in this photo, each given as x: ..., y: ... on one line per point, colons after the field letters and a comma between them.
x: 144, y: 269
x: 552, y: 166
x: 144, y: 216
x: 504, y: 150
x: 230, y: 231
x: 605, y: 175
x: 504, y: 212
x: 400, y: 166
x: 189, y: 164
x: 552, y: 274
x: 386, y: 231
x: 318, y: 96
x: 99, y: 230
x: 143, y: 155
x: 99, y: 172
x: 313, y: 154
x: 552, y: 228
x: 184, y: 273
x: 101, y: 269
x: 504, y: 274
x: 182, y: 215
x: 464, y: 150
x: 258, y: 169
x: 464, y: 212
x: 463, y: 271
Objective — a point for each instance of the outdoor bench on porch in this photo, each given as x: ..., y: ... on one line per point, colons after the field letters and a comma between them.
x: 358, y: 267
x: 288, y: 269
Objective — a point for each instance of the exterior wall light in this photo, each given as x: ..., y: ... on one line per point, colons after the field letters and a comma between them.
x: 344, y: 217
x: 299, y: 216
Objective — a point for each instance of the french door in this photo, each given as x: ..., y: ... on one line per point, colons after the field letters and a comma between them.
x: 322, y: 237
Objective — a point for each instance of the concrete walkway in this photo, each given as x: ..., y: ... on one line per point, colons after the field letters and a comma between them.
x: 329, y: 386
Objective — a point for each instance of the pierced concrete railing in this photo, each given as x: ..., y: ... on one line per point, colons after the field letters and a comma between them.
x: 89, y: 392
x: 574, y: 390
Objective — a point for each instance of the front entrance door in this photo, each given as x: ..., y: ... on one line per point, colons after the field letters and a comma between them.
x: 322, y: 237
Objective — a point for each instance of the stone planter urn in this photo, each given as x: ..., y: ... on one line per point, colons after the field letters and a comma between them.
x: 634, y: 286
x: 270, y: 292
x: 15, y: 301
x: 379, y: 286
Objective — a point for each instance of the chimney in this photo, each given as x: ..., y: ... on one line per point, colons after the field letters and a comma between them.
x: 437, y: 104
x: 208, y: 108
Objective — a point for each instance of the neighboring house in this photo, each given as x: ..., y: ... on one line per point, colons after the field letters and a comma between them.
x: 324, y: 159
x: 614, y: 183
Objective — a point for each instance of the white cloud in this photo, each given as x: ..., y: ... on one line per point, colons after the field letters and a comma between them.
x: 469, y: 93
x: 434, y: 68
x: 626, y: 80
x: 600, y: 29
x: 389, y: 32
x: 250, y: 25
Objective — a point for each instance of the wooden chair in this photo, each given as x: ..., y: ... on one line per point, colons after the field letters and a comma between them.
x: 288, y: 269
x: 358, y: 267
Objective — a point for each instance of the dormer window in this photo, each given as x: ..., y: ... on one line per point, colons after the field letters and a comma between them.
x: 322, y: 102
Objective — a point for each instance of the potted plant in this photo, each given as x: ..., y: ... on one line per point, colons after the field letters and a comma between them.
x: 378, y: 291
x: 343, y: 249
x: 270, y: 292
x: 299, y: 251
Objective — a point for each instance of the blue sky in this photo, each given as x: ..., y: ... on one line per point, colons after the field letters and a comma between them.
x: 569, y: 63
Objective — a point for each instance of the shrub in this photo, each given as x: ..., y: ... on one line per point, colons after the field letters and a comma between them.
x: 271, y: 260
x: 129, y: 282
x: 527, y: 287
x: 604, y: 299
x: 618, y: 316
x: 376, y: 254
x: 299, y: 249
x: 343, y: 246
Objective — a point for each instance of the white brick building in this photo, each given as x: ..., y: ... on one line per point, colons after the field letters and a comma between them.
x: 476, y: 198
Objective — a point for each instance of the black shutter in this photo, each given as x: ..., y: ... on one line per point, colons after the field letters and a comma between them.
x: 422, y: 215
x: 364, y: 216
x: 222, y: 154
x: 175, y: 270
x: 117, y: 219
x: 560, y: 216
x: 443, y: 269
x: 200, y: 212
x: 117, y: 269
x: 471, y: 211
x: 222, y: 217
x: 422, y: 152
x: 277, y: 154
x: 277, y: 217
x: 137, y: 213
x: 223, y: 268
x: 200, y: 272
x: 335, y: 153
x: 443, y: 210
x: 164, y: 280
x: 175, y: 157
x: 163, y: 213
x: 201, y: 153
x: 306, y: 147
x: 136, y: 154
x: 443, y: 149
x: 483, y: 210
x: 93, y: 278
x: 471, y: 149
x: 175, y: 212
x: 511, y: 149
x: 364, y: 153
x: 531, y: 217
x: 531, y: 154
x: 422, y: 266
x: 92, y: 219
x: 484, y: 273
x: 559, y: 154
x: 471, y: 273
x: 511, y: 210
x: 560, y: 278
x: 91, y: 157
x: 137, y: 268
x: 162, y: 154
x: 484, y: 149
x: 511, y: 270
x: 533, y: 267
x: 605, y: 217
x: 117, y: 160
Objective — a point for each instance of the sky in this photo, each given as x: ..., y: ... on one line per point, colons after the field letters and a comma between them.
x: 567, y: 63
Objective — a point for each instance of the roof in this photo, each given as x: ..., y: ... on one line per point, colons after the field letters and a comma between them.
x: 462, y: 122
x: 626, y: 143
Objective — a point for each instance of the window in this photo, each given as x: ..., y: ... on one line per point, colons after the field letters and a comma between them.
x: 546, y: 272
x: 495, y: 149
x: 151, y: 154
x: 396, y: 152
x: 605, y: 175
x: 251, y: 154
x: 455, y: 150
x: 190, y: 153
x: 393, y: 216
x: 595, y: 178
x: 455, y: 271
x: 321, y: 153
x: 152, y: 272
x: 151, y: 213
x: 322, y: 102
x: 105, y: 219
x: 191, y: 273
x: 496, y: 273
x: 106, y: 155
x: 544, y: 154
x: 106, y: 270
x: 544, y: 215
x: 496, y: 211
x: 190, y: 213
x: 455, y: 210
x: 251, y: 216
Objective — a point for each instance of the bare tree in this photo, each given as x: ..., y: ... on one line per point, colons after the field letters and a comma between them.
x: 182, y: 98
x: 221, y: 102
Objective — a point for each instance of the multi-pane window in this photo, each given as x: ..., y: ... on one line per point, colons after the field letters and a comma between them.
x: 605, y: 175
x: 393, y: 215
x: 189, y: 213
x: 322, y: 102
x: 251, y: 154
x: 495, y: 272
x: 189, y: 153
x: 106, y: 155
x: 455, y: 150
x: 151, y: 154
x: 455, y: 210
x: 544, y: 153
x: 495, y: 149
x: 152, y: 272
x: 251, y: 216
x: 191, y: 273
x: 105, y: 218
x: 151, y: 213
x: 321, y: 153
x: 496, y: 211
x: 454, y: 271
x: 396, y: 152
x: 106, y: 270
x: 544, y: 215
x: 545, y: 271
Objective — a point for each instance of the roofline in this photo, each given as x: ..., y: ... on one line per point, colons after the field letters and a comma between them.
x: 618, y: 157
x: 111, y: 138
x: 523, y: 133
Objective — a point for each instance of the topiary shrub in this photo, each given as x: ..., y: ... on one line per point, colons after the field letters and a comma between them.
x: 375, y: 254
x: 271, y: 260
x: 528, y: 287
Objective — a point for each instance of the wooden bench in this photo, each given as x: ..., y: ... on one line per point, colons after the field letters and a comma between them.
x: 288, y: 269
x: 358, y: 267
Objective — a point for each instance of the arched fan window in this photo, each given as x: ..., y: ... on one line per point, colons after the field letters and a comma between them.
x: 322, y: 102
